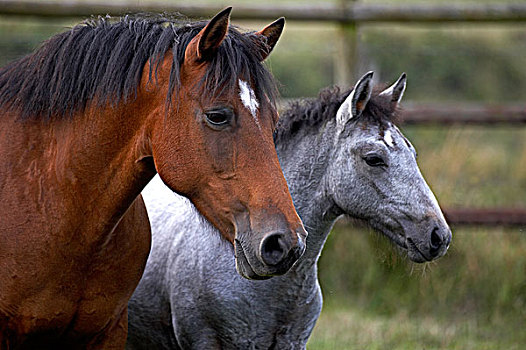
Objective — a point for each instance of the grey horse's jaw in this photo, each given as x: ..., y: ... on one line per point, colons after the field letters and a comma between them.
x: 403, y: 236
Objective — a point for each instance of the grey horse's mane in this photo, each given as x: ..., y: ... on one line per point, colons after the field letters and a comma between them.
x: 308, y: 114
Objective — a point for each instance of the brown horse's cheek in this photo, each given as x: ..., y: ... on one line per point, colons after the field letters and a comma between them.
x: 223, y: 155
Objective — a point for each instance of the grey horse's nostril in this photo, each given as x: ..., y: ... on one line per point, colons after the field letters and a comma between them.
x: 274, y: 249
x: 436, y: 241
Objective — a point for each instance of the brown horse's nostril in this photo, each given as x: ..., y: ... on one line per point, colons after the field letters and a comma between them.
x: 436, y: 242
x: 274, y: 249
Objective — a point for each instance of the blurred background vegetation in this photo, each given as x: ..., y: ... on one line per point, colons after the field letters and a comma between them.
x: 475, y: 296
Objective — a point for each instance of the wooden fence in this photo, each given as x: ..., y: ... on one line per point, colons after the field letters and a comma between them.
x: 348, y: 15
x: 344, y: 12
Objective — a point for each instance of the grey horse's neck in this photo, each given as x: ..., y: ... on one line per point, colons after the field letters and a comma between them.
x: 305, y: 158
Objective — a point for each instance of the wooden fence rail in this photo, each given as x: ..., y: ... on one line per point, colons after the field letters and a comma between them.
x: 446, y: 114
x: 348, y: 15
x: 354, y: 12
x: 487, y: 217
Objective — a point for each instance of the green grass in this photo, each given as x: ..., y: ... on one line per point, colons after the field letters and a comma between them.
x: 472, y: 298
x: 473, y: 166
x: 351, y: 329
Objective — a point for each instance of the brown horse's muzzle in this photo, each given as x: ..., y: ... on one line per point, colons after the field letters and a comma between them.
x: 261, y: 256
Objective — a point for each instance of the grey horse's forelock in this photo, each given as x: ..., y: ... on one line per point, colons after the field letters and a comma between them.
x: 309, y: 114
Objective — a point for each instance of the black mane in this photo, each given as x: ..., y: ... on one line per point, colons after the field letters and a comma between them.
x: 104, y: 59
x: 309, y: 114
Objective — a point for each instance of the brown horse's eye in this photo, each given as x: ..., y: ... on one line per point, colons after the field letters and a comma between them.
x: 374, y: 160
x: 218, y: 118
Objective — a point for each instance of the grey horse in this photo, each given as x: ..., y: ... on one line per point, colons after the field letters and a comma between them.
x: 341, y: 154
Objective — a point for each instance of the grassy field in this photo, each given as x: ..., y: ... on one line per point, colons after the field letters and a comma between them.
x: 473, y: 166
x: 473, y: 298
x: 354, y: 329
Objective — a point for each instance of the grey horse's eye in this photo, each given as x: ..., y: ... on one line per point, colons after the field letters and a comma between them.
x: 374, y: 160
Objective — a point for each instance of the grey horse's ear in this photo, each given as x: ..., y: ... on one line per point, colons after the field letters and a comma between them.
x: 396, y: 91
x: 355, y: 103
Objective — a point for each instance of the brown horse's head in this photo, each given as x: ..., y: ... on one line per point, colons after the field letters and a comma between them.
x: 215, y: 144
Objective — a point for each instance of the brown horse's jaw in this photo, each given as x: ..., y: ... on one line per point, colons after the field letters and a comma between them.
x: 243, y: 266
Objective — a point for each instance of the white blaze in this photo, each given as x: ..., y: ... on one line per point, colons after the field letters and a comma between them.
x: 248, y: 97
x: 388, y: 138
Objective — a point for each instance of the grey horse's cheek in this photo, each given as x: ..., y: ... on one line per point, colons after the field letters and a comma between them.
x: 337, y: 179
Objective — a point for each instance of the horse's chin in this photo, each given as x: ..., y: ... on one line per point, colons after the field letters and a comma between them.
x: 414, y: 254
x: 243, y: 266
x: 398, y: 238
x: 406, y: 244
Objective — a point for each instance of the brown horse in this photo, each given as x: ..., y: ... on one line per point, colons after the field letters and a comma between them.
x: 85, y: 122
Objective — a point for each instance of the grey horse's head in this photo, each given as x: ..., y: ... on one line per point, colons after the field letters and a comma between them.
x: 377, y: 164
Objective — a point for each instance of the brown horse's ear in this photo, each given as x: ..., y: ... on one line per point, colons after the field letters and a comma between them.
x: 271, y: 34
x: 205, y: 44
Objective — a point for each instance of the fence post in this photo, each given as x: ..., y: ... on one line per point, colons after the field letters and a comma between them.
x: 346, y: 53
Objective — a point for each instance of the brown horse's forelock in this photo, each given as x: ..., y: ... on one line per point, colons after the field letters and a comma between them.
x: 104, y: 60
x: 308, y: 114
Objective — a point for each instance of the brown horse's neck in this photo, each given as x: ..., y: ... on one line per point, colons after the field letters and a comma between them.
x: 112, y: 156
x: 87, y: 169
x: 65, y: 186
